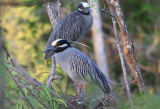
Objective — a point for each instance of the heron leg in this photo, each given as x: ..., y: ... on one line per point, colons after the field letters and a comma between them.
x: 84, y: 86
x: 79, y: 92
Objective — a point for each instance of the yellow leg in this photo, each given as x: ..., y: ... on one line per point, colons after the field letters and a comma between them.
x: 84, y: 86
x: 79, y: 92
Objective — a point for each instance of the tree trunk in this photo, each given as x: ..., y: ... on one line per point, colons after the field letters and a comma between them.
x: 53, y: 19
x: 98, y: 39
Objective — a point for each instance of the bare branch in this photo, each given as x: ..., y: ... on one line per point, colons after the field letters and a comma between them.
x: 39, y: 74
x: 19, y: 87
x: 51, y: 13
x: 32, y: 81
x: 59, y: 10
x: 28, y: 79
x: 122, y: 62
x: 54, y: 20
x: 53, y: 69
x: 128, y: 48
x: 59, y: 83
x: 37, y: 98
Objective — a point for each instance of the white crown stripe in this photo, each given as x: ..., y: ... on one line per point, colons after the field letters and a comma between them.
x: 54, y: 42
x: 85, y: 4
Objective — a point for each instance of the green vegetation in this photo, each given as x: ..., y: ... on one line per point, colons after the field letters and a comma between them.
x: 26, y: 30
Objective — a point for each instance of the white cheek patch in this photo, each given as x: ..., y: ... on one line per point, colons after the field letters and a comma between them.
x: 85, y: 4
x: 55, y: 42
x: 79, y: 9
x: 64, y: 45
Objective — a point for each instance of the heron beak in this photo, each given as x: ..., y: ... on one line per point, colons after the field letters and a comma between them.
x: 52, y: 48
x: 88, y: 10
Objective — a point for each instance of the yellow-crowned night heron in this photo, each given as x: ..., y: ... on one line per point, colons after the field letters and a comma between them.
x: 80, y: 68
x: 72, y: 27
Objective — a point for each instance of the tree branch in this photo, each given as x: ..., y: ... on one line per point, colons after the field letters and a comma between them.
x: 122, y: 62
x: 51, y: 12
x: 28, y: 79
x: 18, y: 85
x: 37, y: 98
x: 128, y: 48
x: 54, y: 20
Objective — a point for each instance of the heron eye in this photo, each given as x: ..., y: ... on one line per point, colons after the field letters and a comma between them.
x: 82, y: 8
x: 58, y: 44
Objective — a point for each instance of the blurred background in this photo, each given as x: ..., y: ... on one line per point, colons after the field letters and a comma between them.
x: 25, y: 26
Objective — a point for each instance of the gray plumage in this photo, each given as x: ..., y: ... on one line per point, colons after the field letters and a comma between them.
x: 73, y: 27
x: 81, y: 68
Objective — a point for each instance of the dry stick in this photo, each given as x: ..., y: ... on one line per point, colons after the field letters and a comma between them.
x: 24, y: 69
x: 59, y: 10
x: 122, y: 62
x: 8, y: 55
x: 53, y: 19
x: 128, y: 47
x: 121, y: 55
x: 18, y: 85
x: 34, y: 82
x: 53, y: 69
x: 37, y: 98
x: 39, y: 74
x: 59, y: 83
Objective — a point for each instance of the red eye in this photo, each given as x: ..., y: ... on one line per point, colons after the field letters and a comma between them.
x: 82, y: 8
x: 58, y: 44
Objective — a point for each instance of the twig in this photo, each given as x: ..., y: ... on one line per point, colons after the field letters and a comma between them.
x: 40, y: 74
x: 122, y: 62
x: 59, y: 83
x: 37, y: 98
x: 128, y: 47
x: 32, y: 81
x: 18, y: 85
x: 31, y: 69
x: 10, y: 101
x: 52, y: 6
x: 120, y: 52
x: 59, y: 10
x: 106, y: 12
x: 57, y: 86
x: 53, y: 69
x: 51, y: 13
x: 54, y: 20
x: 7, y: 54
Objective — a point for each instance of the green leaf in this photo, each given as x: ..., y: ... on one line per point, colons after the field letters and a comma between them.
x: 14, y: 73
x: 9, y: 59
x: 9, y: 66
x: 60, y: 100
x: 25, y: 90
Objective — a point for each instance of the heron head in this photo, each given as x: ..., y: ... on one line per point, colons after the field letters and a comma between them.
x: 58, y: 45
x: 84, y: 8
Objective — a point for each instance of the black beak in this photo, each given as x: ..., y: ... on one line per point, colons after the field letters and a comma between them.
x: 52, y: 48
x: 88, y: 10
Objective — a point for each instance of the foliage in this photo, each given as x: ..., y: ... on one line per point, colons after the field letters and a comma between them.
x: 27, y: 29
x: 17, y: 99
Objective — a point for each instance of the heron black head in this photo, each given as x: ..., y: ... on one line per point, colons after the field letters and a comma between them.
x: 58, y: 45
x: 84, y: 8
